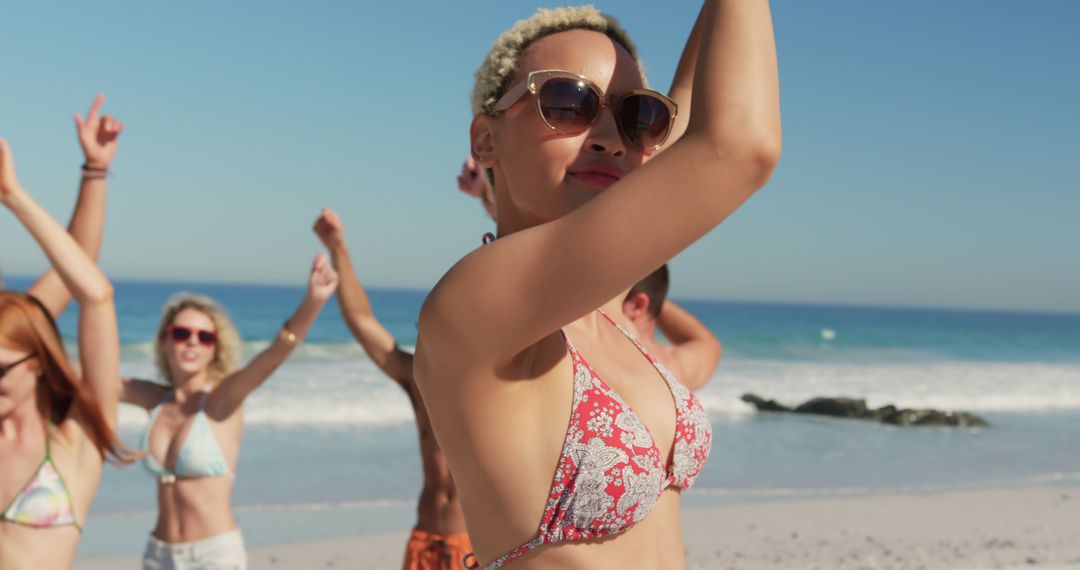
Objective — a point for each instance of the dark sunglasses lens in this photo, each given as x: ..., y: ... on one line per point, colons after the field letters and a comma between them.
x: 180, y: 334
x: 207, y: 337
x: 568, y: 105
x: 645, y: 120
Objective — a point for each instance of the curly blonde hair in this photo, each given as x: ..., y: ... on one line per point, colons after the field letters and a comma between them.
x: 496, y: 73
x: 227, y: 351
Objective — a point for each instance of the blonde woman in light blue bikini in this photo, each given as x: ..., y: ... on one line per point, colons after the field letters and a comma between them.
x: 193, y: 437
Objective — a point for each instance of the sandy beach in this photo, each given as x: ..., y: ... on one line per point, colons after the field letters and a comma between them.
x: 1026, y: 527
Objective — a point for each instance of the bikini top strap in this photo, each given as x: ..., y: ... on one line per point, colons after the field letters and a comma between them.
x: 165, y: 397
x: 48, y: 436
x: 633, y: 338
x: 625, y: 333
x: 622, y: 329
x: 609, y: 319
x: 202, y: 399
x: 566, y: 339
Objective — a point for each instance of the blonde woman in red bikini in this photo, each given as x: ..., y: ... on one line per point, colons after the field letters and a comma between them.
x: 568, y: 444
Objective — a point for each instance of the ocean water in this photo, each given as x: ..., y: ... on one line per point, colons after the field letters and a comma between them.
x: 330, y: 447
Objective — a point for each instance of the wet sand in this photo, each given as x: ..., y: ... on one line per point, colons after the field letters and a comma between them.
x: 1026, y: 527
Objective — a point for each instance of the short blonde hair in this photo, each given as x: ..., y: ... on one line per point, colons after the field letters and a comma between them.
x: 227, y: 351
x: 496, y: 73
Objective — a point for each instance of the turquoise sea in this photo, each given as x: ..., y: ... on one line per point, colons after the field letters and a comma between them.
x: 330, y: 447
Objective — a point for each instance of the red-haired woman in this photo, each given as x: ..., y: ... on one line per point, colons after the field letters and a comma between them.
x: 56, y: 425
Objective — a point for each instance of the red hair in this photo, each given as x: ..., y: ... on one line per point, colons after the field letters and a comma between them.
x: 25, y: 324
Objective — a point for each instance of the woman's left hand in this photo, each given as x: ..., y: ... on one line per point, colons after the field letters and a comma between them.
x: 98, y: 134
x: 323, y: 280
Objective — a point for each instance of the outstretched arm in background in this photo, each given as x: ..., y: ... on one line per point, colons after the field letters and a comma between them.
x: 473, y: 181
x: 697, y: 350
x: 142, y: 393
x: 231, y: 392
x: 97, y: 135
x: 356, y: 308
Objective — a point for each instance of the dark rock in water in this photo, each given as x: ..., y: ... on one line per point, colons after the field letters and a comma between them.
x: 841, y: 407
x: 763, y: 404
x: 857, y: 409
x: 879, y: 414
x: 933, y: 418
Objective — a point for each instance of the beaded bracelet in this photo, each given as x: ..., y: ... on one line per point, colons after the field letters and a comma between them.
x: 93, y: 172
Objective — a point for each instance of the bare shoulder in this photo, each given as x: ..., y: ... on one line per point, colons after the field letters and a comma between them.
x: 143, y: 393
x: 222, y: 404
x: 69, y: 432
x: 71, y: 436
x: 477, y: 312
x: 444, y: 325
x: 459, y: 283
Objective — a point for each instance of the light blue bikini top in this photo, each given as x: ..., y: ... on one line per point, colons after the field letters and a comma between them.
x: 200, y: 455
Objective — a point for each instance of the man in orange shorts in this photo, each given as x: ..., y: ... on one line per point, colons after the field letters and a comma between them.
x: 439, y: 540
x: 426, y: 550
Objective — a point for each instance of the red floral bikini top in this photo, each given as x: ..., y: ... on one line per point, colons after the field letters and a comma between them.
x: 610, y: 472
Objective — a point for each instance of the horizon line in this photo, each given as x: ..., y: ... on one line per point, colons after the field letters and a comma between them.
x: 1075, y: 313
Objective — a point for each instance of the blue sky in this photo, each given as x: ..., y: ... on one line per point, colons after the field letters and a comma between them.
x: 929, y: 146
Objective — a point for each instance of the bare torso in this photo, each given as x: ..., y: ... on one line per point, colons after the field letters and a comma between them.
x: 193, y: 508
x: 439, y: 507
x: 521, y: 432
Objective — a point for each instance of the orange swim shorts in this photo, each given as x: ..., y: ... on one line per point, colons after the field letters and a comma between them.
x: 430, y: 551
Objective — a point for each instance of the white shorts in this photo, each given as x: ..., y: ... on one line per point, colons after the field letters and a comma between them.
x: 222, y: 552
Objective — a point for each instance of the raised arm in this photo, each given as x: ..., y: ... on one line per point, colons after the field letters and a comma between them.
x: 378, y: 343
x: 473, y: 181
x: 506, y: 296
x: 697, y: 350
x: 682, y: 85
x: 231, y: 392
x: 97, y: 135
x: 99, y: 341
x: 142, y: 393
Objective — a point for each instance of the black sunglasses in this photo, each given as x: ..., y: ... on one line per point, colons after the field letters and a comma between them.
x: 7, y: 367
